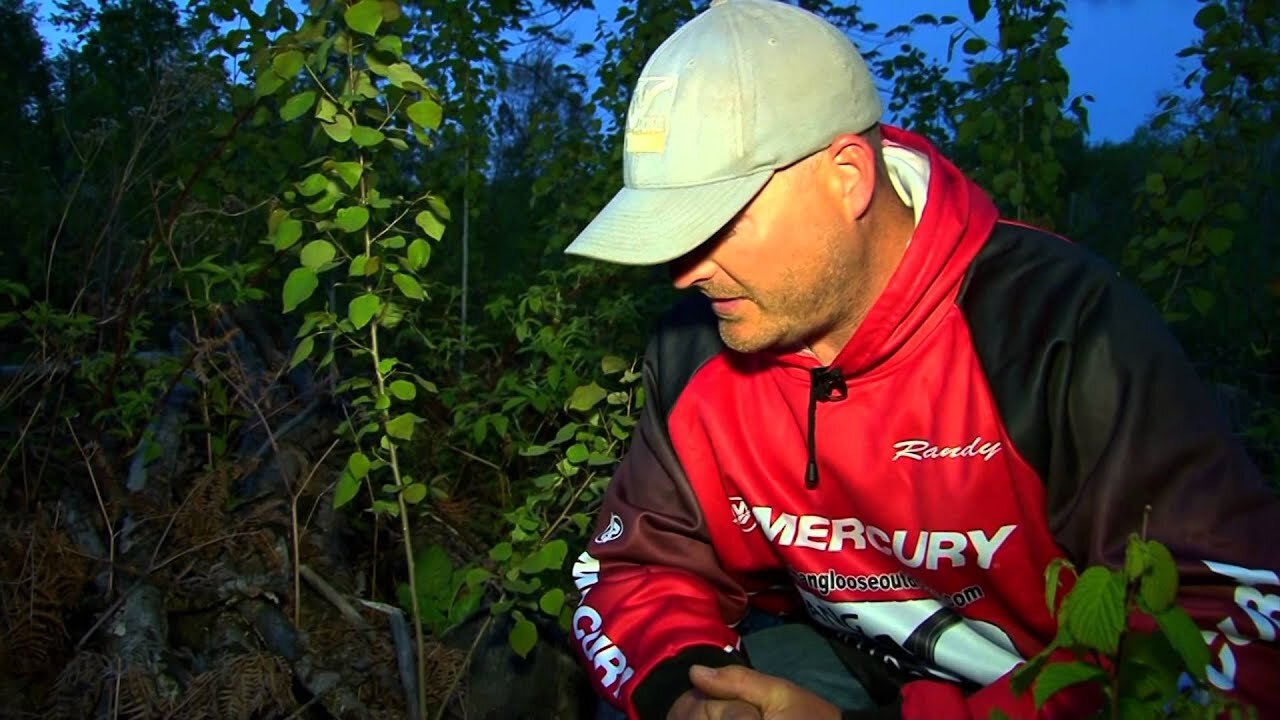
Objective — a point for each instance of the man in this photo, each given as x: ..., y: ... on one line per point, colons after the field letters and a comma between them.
x: 883, y: 408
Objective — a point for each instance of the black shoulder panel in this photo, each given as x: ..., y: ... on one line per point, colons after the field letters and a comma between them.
x: 687, y: 337
x: 1023, y: 298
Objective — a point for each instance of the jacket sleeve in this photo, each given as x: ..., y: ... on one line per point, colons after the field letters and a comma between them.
x: 1137, y: 428
x: 655, y: 600
x: 1130, y: 425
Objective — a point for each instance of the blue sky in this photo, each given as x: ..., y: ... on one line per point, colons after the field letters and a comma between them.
x: 1122, y: 52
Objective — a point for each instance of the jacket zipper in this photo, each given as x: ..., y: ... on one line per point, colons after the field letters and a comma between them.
x: 826, y: 384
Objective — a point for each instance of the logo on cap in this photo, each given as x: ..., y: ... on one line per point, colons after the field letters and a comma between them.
x: 649, y: 117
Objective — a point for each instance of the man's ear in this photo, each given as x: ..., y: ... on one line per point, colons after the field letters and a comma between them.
x: 851, y: 161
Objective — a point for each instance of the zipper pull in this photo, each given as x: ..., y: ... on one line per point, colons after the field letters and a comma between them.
x: 826, y: 384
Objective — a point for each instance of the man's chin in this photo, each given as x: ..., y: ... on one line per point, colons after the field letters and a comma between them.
x: 739, y: 337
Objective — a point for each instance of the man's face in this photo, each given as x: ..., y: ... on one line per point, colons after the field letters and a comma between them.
x: 779, y: 274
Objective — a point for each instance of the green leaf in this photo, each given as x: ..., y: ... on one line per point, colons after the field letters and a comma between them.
x: 613, y: 364
x: 358, y: 465
x: 288, y: 232
x: 366, y: 136
x: 553, y: 554
x: 524, y: 635
x: 267, y: 84
x: 973, y: 46
x: 1218, y: 240
x: 359, y: 266
x: 415, y: 493
x: 432, y: 571
x: 287, y: 64
x: 351, y: 219
x: 1209, y: 16
x: 477, y: 576
x: 1181, y: 632
x: 403, y: 389
x: 1056, y: 676
x: 500, y: 552
x: 1137, y: 560
x: 408, y: 286
x: 1159, y: 586
x: 339, y: 130
x: 303, y: 351
x: 426, y: 113
x: 364, y: 17
x: 1150, y: 668
x: 1094, y: 612
x: 298, y: 287
x: 586, y: 397
x: 403, y: 76
x: 350, y: 172
x: 430, y: 224
x: 551, y: 601
x: 364, y: 86
x: 418, y: 255
x: 577, y: 453
x: 401, y: 426
x: 438, y: 207
x: 1052, y: 583
x: 979, y: 9
x: 533, y: 563
x: 317, y: 253
x: 326, y: 110
x: 1191, y: 204
x: 362, y: 309
x: 1155, y: 184
x: 1202, y: 300
x: 390, y: 44
x: 312, y: 185
x: 295, y: 106
x: 347, y: 488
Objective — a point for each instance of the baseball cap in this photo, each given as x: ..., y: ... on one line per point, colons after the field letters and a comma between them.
x: 745, y: 88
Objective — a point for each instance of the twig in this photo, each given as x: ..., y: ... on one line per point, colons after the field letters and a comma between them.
x: 106, y: 518
x: 477, y: 458
x: 133, y: 287
x: 200, y: 546
x: 106, y: 614
x: 115, y: 703
x: 332, y: 595
x: 298, y: 713
x: 291, y: 424
x: 296, y: 535
x: 568, y: 506
x: 448, y: 694
x: 21, y: 436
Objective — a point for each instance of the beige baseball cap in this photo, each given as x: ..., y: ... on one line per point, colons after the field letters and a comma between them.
x: 743, y: 89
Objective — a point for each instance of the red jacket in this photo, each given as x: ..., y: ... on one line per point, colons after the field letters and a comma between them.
x: 1007, y: 401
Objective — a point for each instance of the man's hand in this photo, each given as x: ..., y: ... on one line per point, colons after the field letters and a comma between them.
x: 695, y: 705
x: 740, y: 693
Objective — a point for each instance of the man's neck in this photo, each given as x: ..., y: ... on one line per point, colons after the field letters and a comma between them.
x: 892, y: 231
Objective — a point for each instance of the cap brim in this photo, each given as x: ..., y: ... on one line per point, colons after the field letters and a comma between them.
x: 651, y: 226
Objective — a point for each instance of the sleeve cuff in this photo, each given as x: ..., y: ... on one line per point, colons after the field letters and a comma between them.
x: 888, y: 712
x: 669, y: 679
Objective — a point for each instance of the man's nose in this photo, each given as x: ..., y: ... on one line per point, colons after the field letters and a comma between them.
x: 692, y: 268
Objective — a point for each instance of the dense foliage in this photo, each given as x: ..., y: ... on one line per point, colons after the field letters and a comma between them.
x: 283, y: 289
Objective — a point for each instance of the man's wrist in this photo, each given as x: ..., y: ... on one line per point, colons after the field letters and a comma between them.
x: 669, y: 679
